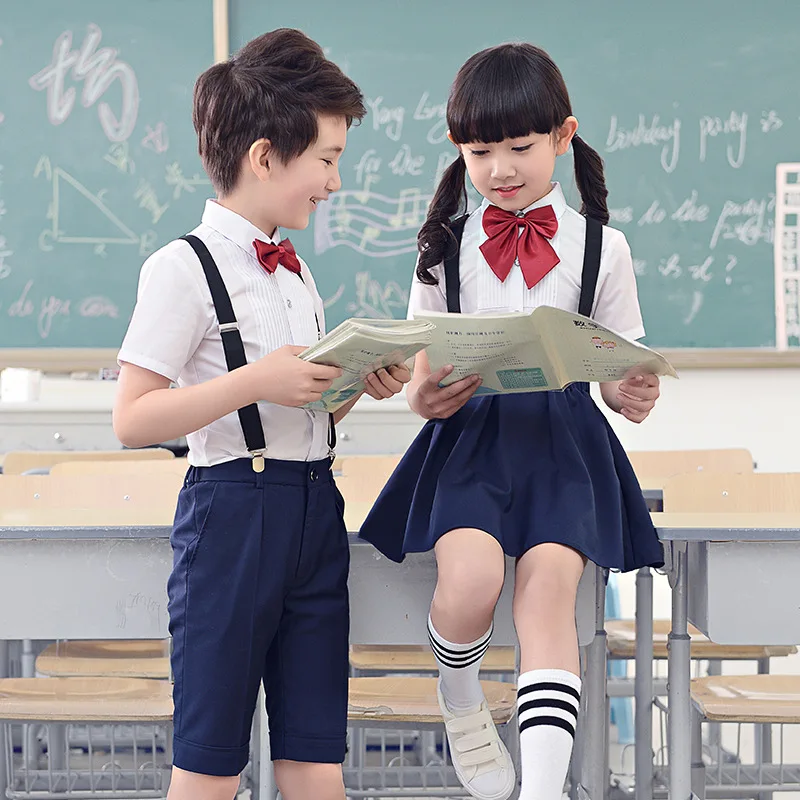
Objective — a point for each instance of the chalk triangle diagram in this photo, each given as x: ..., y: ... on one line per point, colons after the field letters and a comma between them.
x: 81, y: 217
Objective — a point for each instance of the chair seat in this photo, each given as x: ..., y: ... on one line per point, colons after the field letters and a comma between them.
x: 621, y: 643
x: 146, y: 658
x: 388, y: 700
x: 748, y: 698
x: 419, y: 658
x: 85, y: 700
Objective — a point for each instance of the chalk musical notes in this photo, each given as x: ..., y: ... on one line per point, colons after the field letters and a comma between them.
x: 369, y: 223
x: 409, y: 209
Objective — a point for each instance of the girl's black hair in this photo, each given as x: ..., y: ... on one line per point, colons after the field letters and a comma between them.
x: 504, y: 92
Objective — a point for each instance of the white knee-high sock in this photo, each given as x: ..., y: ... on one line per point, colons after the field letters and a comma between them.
x: 547, y: 706
x: 459, y: 665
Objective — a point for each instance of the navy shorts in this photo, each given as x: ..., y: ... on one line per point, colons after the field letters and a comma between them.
x: 258, y: 592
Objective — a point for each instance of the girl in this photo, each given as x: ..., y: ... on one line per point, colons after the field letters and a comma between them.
x: 541, y: 476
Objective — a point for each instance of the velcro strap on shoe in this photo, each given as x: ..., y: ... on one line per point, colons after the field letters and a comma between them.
x: 483, y: 755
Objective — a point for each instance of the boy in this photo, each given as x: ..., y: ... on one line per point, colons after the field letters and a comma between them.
x: 259, y: 583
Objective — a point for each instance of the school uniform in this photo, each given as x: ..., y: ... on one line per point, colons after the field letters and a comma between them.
x: 535, y: 467
x: 258, y: 590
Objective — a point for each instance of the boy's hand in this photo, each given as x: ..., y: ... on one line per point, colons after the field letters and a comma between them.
x: 283, y: 378
x: 440, y: 402
x: 387, y: 382
x: 637, y: 397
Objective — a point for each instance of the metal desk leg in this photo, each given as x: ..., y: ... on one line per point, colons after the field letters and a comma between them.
x: 595, y: 734
x: 3, y: 674
x: 698, y: 766
x: 643, y: 686
x: 678, y: 687
x: 764, y: 735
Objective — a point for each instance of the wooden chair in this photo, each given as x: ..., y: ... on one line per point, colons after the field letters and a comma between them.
x: 75, y: 707
x: 726, y: 493
x: 124, y: 658
x: 383, y: 659
x: 16, y: 462
x: 654, y: 465
x: 85, y: 700
x: 173, y: 466
x: 150, y: 496
x: 621, y: 635
x: 378, y: 702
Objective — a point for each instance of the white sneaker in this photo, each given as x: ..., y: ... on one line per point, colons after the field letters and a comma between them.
x: 481, y: 760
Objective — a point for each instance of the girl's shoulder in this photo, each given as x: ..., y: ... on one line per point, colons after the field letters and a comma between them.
x: 613, y: 239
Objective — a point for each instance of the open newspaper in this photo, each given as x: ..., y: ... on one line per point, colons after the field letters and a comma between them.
x: 541, y: 350
x: 363, y: 346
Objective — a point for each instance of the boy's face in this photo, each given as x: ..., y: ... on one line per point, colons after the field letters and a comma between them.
x: 294, y: 189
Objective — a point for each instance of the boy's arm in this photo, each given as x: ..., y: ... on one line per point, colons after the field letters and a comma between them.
x: 147, y: 411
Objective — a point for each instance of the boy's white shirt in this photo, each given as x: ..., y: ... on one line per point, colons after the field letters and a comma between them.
x: 616, y: 302
x: 174, y: 332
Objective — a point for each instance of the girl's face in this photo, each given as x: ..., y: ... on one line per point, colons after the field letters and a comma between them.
x: 514, y: 173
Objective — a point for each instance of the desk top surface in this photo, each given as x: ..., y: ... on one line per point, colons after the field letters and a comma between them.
x: 136, y: 523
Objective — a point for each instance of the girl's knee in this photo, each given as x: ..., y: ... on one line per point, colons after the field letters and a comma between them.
x: 549, y: 575
x: 464, y: 585
x: 470, y: 573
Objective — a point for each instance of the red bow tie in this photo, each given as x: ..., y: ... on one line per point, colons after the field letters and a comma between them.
x: 270, y: 255
x: 505, y: 244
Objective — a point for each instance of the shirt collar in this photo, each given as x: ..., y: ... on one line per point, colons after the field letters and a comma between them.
x: 235, y: 227
x: 555, y: 197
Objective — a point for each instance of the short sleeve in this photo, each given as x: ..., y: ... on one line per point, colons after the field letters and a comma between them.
x: 171, y: 315
x: 617, y: 300
x: 427, y: 297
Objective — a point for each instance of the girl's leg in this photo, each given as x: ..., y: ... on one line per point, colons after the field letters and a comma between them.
x: 471, y: 569
x: 546, y: 587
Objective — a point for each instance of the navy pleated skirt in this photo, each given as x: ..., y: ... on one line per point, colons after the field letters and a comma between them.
x: 527, y: 469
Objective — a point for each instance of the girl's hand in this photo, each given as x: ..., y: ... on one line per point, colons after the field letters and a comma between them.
x: 637, y: 397
x: 440, y: 402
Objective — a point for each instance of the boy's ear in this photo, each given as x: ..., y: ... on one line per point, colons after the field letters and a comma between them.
x: 258, y: 157
x: 564, y: 135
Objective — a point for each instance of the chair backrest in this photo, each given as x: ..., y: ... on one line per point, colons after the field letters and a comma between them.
x: 361, y: 478
x: 663, y: 464
x: 149, y: 493
x: 717, y: 492
x: 172, y: 466
x: 15, y: 462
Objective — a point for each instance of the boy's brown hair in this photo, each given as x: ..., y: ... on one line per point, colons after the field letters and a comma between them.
x: 273, y: 88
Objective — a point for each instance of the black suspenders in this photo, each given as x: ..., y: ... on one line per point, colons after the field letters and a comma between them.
x: 235, y: 356
x: 591, y: 266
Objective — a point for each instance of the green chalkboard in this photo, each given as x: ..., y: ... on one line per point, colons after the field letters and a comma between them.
x: 97, y: 156
x: 692, y: 105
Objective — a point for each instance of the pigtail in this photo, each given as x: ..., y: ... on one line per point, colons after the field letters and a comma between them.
x: 591, y: 181
x: 435, y: 236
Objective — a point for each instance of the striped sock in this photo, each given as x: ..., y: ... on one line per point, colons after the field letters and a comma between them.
x: 459, y: 665
x: 547, y: 707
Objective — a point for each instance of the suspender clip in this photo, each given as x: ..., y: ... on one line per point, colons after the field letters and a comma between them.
x: 258, y: 460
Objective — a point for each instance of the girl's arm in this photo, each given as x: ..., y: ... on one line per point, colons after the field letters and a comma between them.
x: 431, y: 401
